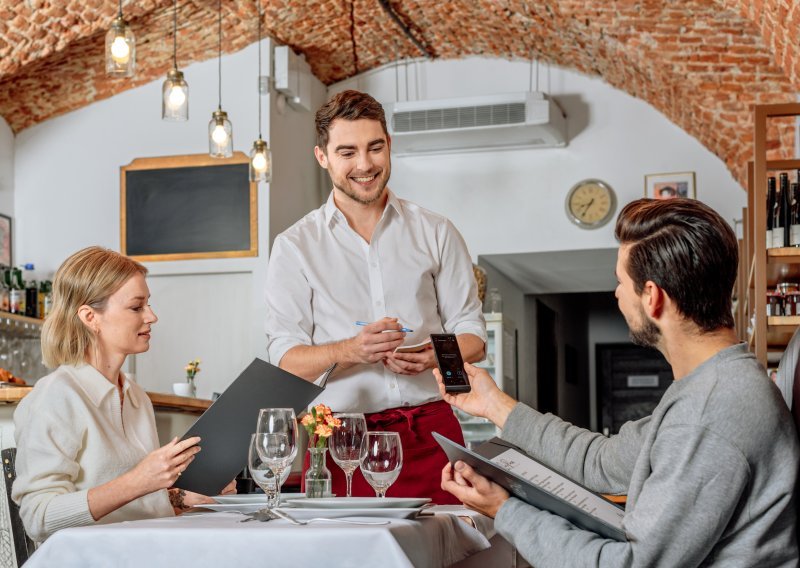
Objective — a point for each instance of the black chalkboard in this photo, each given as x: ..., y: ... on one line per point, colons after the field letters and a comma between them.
x: 186, y: 207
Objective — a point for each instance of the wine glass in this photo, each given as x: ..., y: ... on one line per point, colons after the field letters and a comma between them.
x: 278, y: 446
x: 383, y: 460
x: 260, y: 471
x: 346, y: 444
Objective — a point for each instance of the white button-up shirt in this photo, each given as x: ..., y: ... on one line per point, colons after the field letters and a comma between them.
x: 323, y: 277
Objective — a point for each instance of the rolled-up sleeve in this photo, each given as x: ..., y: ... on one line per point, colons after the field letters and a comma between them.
x: 289, y: 319
x: 456, y: 288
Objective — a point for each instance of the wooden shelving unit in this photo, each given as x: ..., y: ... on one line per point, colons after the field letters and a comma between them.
x: 761, y: 268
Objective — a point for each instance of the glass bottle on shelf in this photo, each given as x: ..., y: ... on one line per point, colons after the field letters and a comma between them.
x: 48, y: 299
x: 777, y: 221
x: 771, y: 203
x: 494, y: 302
x: 786, y: 212
x: 4, y: 289
x: 794, y: 228
x: 31, y: 292
x: 16, y: 293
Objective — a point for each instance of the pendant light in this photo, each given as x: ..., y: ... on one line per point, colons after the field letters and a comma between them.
x: 220, y: 130
x: 260, y: 156
x: 175, y: 92
x: 120, y: 48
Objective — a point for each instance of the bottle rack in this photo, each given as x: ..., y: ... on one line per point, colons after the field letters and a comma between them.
x: 761, y: 268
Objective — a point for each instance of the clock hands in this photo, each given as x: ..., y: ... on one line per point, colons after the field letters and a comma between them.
x: 586, y: 207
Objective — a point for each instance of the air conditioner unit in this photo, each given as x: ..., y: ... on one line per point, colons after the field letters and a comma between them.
x: 468, y: 124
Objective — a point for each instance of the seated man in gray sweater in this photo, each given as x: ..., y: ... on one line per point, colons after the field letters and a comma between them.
x: 711, y: 474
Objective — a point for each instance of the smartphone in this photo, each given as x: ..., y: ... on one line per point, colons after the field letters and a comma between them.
x: 451, y: 365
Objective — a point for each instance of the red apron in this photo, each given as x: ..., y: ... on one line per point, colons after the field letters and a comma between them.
x: 423, y: 458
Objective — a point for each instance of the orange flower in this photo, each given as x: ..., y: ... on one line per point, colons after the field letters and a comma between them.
x: 322, y: 410
x: 331, y: 421
x: 307, y: 420
x: 323, y: 431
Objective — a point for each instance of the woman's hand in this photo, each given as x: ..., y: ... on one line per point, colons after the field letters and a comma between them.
x: 182, y: 500
x: 162, y: 467
x: 485, y: 399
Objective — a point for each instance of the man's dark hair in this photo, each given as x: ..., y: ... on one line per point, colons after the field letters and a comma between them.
x: 688, y: 250
x: 349, y: 105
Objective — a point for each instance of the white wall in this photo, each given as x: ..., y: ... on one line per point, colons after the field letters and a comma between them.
x: 66, y: 179
x: 513, y: 201
x: 6, y: 170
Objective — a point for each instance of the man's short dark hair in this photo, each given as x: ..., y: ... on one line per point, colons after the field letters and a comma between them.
x: 349, y: 105
x: 688, y: 250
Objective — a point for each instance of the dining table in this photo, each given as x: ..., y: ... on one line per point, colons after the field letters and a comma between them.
x: 438, y: 536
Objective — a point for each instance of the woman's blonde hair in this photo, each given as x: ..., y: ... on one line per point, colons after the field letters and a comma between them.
x: 88, y: 277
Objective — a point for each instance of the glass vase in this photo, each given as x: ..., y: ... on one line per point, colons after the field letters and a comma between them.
x: 318, y: 476
x: 192, y: 386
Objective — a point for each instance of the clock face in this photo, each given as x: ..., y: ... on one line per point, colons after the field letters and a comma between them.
x: 591, y: 204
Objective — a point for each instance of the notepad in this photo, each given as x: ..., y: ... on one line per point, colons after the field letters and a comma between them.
x: 226, y: 426
x: 416, y: 348
x: 540, y: 486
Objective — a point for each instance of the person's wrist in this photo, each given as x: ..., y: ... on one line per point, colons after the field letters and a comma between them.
x: 500, y: 406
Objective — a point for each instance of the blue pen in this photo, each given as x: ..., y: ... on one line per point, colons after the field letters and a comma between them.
x: 404, y: 329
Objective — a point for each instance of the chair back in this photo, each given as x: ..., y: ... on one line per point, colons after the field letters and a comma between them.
x: 15, y: 546
x: 788, y: 378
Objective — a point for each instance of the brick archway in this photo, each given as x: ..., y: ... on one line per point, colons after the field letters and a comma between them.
x: 702, y: 63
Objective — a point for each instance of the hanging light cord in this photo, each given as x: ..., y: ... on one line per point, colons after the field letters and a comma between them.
x: 219, y: 56
x: 175, y: 36
x: 258, y: 90
x: 120, y: 8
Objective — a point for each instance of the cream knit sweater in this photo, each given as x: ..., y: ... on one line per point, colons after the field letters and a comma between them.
x: 73, y: 434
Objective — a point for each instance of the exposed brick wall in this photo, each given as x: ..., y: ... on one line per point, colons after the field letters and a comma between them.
x: 702, y: 63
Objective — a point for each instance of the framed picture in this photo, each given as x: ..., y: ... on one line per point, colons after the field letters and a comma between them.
x: 668, y: 186
x: 5, y: 240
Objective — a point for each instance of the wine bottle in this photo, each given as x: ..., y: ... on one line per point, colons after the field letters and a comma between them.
x: 786, y: 208
x: 794, y: 228
x: 771, y: 195
x: 777, y: 221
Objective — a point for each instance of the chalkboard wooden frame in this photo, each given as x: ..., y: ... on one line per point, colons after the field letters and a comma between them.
x: 188, y: 161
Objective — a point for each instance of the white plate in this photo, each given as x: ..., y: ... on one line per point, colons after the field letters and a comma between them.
x: 391, y: 513
x: 232, y: 507
x: 359, y: 502
x: 248, y: 498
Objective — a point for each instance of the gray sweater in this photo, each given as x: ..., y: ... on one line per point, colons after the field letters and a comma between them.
x: 710, y: 477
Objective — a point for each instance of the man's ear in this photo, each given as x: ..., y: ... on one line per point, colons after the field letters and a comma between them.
x: 653, y: 299
x: 319, y: 154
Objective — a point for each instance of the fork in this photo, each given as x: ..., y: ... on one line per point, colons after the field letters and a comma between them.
x: 291, y: 519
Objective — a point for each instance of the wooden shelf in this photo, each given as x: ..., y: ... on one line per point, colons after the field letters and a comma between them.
x: 160, y: 400
x: 21, y: 319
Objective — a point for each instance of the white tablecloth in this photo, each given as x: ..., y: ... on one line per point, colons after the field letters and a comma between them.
x: 219, y: 539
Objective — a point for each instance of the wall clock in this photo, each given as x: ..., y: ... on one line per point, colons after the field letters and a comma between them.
x: 591, y: 203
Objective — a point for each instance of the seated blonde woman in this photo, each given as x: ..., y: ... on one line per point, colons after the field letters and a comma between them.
x: 87, y: 447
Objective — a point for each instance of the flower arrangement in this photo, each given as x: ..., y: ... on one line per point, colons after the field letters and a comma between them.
x: 192, y: 368
x: 319, y: 423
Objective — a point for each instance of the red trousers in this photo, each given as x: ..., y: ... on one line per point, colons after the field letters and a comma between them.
x: 423, y: 458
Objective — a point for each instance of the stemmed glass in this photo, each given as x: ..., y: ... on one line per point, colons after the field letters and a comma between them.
x: 346, y: 444
x: 260, y: 471
x: 276, y: 438
x: 383, y: 460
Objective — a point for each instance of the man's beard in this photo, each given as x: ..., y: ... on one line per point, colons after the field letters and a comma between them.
x: 348, y: 191
x: 647, y: 335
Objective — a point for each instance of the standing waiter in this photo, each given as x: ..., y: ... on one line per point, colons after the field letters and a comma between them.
x: 368, y: 256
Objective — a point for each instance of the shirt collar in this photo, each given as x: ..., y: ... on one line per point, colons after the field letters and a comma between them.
x: 97, y: 387
x: 331, y: 211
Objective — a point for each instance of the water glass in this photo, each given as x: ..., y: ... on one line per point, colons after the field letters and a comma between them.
x: 383, y: 460
x: 277, y: 445
x: 260, y: 471
x: 346, y: 444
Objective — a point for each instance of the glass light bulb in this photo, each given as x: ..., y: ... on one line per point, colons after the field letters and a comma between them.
x: 259, y: 162
x: 176, y: 97
x: 219, y: 135
x: 120, y: 50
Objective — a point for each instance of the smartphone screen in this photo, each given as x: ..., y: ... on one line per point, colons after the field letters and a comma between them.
x: 451, y: 365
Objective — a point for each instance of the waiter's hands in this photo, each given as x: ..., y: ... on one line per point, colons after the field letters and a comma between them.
x: 410, y: 363
x: 472, y: 489
x: 485, y: 399
x: 376, y: 341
